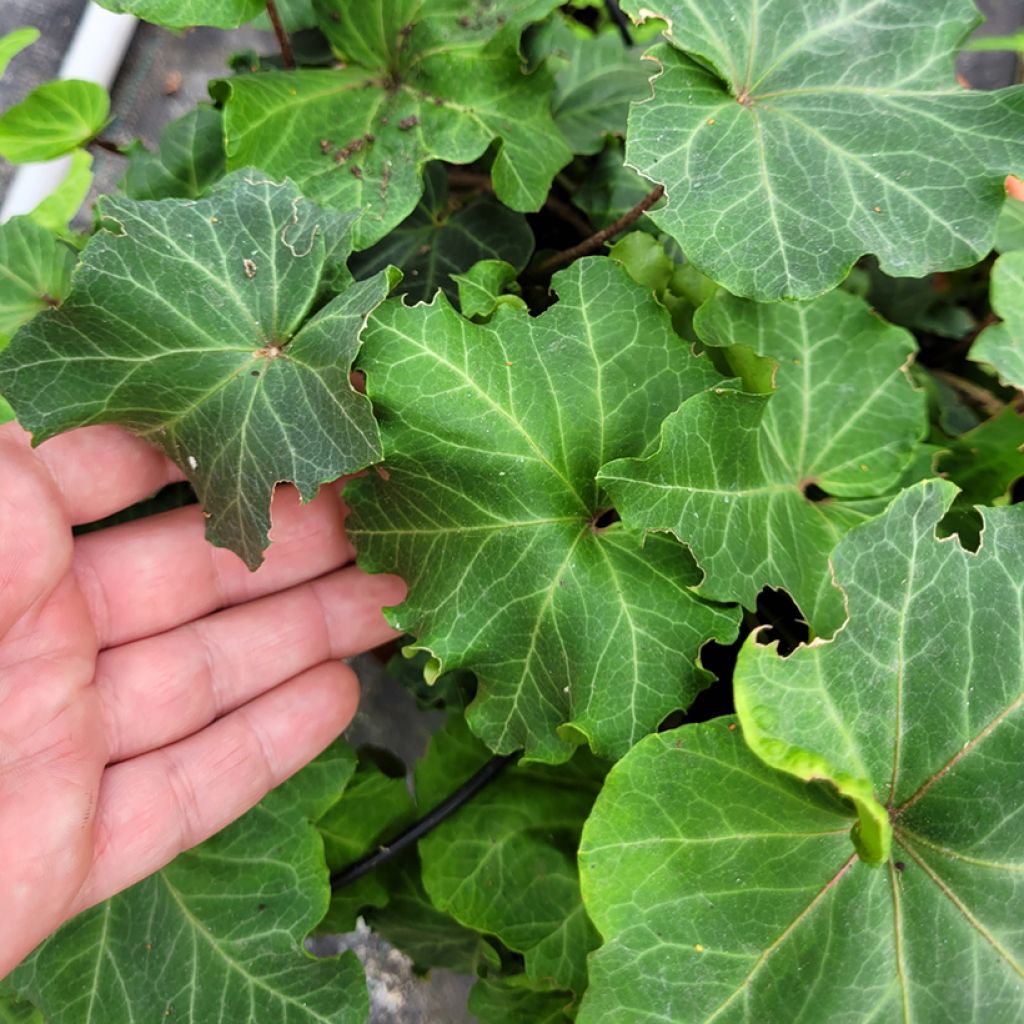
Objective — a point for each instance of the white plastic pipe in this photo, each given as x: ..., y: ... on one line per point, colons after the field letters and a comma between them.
x: 95, y: 55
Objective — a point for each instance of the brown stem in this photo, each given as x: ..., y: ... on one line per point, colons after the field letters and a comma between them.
x: 596, y: 240
x: 282, y: 37
x: 459, y: 177
x: 107, y: 146
x: 476, y: 183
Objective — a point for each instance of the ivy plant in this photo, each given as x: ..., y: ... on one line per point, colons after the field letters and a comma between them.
x: 675, y: 353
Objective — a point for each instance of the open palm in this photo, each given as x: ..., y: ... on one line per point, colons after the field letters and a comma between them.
x: 151, y: 688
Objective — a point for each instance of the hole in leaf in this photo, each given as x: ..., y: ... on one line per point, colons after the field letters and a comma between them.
x: 963, y: 521
x: 604, y: 518
x: 716, y: 700
x: 1017, y: 491
x: 812, y: 492
x: 785, y: 622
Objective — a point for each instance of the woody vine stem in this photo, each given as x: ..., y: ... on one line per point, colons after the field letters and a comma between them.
x: 282, y: 36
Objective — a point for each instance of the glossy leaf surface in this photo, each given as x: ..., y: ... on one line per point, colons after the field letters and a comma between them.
x: 494, y: 434
x: 729, y: 892
x: 732, y: 476
x: 424, y: 80
x: 758, y: 104
x: 189, y: 323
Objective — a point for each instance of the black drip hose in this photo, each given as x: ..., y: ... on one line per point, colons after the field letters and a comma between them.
x: 615, y: 13
x: 487, y: 774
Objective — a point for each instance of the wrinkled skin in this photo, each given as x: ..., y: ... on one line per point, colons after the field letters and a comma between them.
x: 152, y: 689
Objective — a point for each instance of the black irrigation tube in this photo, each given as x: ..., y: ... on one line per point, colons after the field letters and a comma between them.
x: 386, y: 851
x: 621, y: 21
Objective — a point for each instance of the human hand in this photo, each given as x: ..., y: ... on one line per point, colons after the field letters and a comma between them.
x: 137, y: 719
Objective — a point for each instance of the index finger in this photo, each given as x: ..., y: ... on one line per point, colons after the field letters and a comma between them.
x: 99, y: 470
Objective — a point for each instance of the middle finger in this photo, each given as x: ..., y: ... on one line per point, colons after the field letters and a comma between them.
x: 150, y: 575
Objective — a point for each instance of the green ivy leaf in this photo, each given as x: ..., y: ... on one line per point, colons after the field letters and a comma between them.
x: 1002, y: 345
x: 681, y: 289
x: 52, y: 120
x: 596, y: 78
x: 430, y: 80
x: 986, y: 461
x: 172, y: 946
x: 13, y: 43
x: 1010, y: 229
x: 188, y: 324
x: 757, y: 105
x: 188, y: 160
x: 494, y: 434
x: 485, y: 285
x: 186, y: 13
x: 35, y: 273
x: 690, y: 836
x: 59, y: 208
x: 732, y: 474
x: 441, y: 239
x: 693, y: 833
x: 921, y: 610
x: 504, y: 863
x: 514, y: 1001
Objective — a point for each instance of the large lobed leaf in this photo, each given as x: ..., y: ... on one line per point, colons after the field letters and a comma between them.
x: 216, y: 937
x: 731, y: 476
x: 928, y: 670
x: 793, y: 138
x: 189, y: 323
x: 421, y: 80
x: 490, y: 510
x: 728, y: 891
